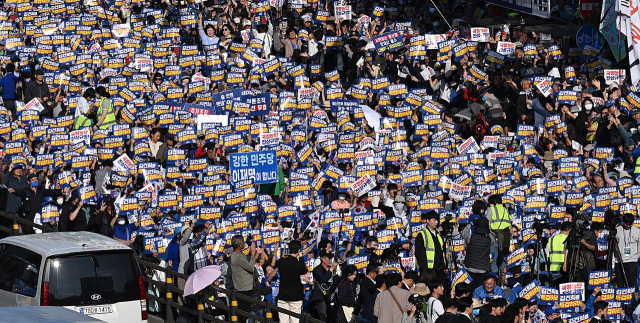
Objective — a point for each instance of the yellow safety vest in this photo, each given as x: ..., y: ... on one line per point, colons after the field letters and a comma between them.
x: 636, y: 171
x: 111, y: 116
x: 430, y: 246
x: 556, y: 252
x: 500, y: 218
x: 81, y: 122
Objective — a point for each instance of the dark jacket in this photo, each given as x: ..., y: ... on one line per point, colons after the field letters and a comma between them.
x: 347, y: 293
x: 291, y: 268
x: 478, y: 253
x: 321, y: 276
x: 32, y: 200
x: 366, y: 298
x: 35, y: 90
x: 14, y: 200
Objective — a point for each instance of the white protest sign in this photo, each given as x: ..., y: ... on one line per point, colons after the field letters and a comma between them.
x: 617, y: 76
x: 545, y: 88
x: 460, y: 192
x: 83, y: 134
x: 123, y: 164
x: 506, y: 48
x: 343, y: 12
x: 489, y: 142
x: 34, y: 104
x: 468, y: 146
x: 480, y: 34
x: 433, y: 40
x: 363, y: 185
x: 269, y: 138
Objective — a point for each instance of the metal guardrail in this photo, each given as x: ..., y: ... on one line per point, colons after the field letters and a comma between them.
x: 230, y: 312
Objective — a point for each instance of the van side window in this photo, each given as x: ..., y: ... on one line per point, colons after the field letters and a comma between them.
x: 19, y: 270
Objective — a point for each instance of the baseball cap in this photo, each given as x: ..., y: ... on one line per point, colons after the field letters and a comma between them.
x: 551, y: 310
x: 325, y: 254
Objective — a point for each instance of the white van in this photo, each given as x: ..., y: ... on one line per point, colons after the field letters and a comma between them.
x: 82, y: 271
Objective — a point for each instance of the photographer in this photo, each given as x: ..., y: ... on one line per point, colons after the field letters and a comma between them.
x: 628, y: 237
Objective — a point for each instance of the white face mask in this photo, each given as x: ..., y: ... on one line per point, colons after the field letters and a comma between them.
x: 236, y: 20
x: 341, y: 197
x: 121, y: 221
x: 588, y: 107
x: 60, y: 200
x: 619, y: 168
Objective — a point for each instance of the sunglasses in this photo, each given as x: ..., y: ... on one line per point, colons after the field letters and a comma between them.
x: 225, y: 29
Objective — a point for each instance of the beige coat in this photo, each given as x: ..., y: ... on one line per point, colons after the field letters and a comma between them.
x: 386, y: 309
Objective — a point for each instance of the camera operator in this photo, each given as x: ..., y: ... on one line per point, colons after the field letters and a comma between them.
x: 628, y: 237
x: 589, y: 242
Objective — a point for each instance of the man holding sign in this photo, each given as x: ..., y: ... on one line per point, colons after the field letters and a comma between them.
x: 39, y: 90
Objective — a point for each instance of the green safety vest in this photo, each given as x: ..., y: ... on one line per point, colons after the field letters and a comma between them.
x: 556, y: 252
x: 81, y: 122
x: 500, y: 218
x: 430, y: 246
x: 110, y: 119
x: 636, y: 171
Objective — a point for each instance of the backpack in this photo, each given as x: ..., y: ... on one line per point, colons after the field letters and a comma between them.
x: 480, y: 126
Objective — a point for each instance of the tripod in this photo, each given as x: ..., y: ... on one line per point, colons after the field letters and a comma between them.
x: 614, y: 251
x: 578, y: 263
x: 541, y: 242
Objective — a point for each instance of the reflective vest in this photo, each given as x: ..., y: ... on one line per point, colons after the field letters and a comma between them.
x: 429, y: 245
x: 111, y: 116
x: 500, y: 218
x: 636, y: 171
x: 81, y: 122
x: 556, y: 252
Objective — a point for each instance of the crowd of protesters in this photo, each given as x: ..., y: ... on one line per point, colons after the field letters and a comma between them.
x: 428, y: 170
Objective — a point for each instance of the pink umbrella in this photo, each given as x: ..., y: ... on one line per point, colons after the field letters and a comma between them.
x: 201, y: 278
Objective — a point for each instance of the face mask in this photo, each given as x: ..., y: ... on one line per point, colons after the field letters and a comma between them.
x: 34, y: 184
x: 583, y: 82
x: 60, y: 200
x: 236, y: 20
x: 476, y: 311
x: 484, y: 97
x: 601, y: 235
x: 588, y: 107
x: 122, y: 221
x: 341, y: 197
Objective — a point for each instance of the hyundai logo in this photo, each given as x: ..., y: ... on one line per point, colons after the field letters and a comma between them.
x: 96, y: 297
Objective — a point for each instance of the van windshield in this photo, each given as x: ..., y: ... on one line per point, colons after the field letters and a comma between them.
x: 93, y: 278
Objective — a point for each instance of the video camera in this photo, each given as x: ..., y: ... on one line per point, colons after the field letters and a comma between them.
x: 539, y: 225
x: 611, y: 220
x: 448, y: 226
x: 417, y: 300
x: 580, y: 222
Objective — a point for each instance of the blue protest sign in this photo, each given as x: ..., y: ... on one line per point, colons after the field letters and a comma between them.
x: 260, y: 166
